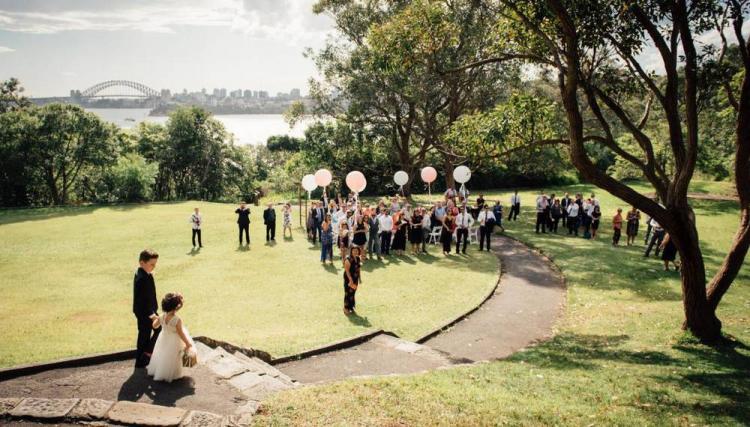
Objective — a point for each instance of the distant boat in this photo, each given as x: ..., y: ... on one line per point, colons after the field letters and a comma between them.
x: 129, y: 119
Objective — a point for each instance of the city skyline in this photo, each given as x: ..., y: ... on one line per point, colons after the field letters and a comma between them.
x: 53, y: 47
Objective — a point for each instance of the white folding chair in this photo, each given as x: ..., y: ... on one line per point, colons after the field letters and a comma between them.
x: 473, y: 235
x: 434, y: 235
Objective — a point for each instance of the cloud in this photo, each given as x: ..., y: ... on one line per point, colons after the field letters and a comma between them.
x: 4, y: 49
x: 291, y: 21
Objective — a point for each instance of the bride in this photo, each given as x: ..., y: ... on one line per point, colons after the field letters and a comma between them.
x: 166, y: 359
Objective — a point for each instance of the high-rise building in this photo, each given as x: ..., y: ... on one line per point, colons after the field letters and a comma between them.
x: 217, y: 92
x: 262, y: 94
x: 295, y: 94
x: 222, y: 93
x: 248, y: 94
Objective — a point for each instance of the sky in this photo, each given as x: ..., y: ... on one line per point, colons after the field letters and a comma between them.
x: 54, y: 46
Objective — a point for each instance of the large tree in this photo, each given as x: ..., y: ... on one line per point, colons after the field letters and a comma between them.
x: 593, y: 50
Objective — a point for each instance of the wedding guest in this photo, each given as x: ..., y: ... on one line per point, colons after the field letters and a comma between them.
x: 243, y: 221
x: 359, y: 235
x: 656, y: 239
x: 196, y: 219
x: 548, y: 211
x: 585, y: 214
x: 446, y: 233
x: 352, y: 279
x: 287, y: 213
x: 426, y: 228
x: 400, y: 228
x: 145, y: 306
x: 497, y: 211
x: 450, y: 195
x: 556, y: 212
x: 669, y: 253
x: 415, y: 231
x: 326, y: 240
x: 596, y: 216
x: 464, y: 221
x: 166, y: 363
x: 564, y: 203
x: 486, y: 219
x: 269, y: 219
x: 385, y: 228
x: 573, y: 209
x: 373, y: 241
x: 633, y: 219
x: 617, y: 226
x: 541, y: 207
x: 318, y: 216
x: 440, y: 212
x: 515, y: 206
x: 343, y: 241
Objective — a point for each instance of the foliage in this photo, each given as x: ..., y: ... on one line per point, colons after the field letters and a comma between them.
x: 11, y: 96
x: 130, y: 180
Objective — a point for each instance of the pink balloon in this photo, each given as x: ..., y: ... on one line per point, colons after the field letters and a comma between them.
x: 428, y: 174
x: 323, y: 177
x: 356, y: 181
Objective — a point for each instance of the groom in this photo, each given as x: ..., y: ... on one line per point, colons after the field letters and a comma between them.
x: 145, y: 306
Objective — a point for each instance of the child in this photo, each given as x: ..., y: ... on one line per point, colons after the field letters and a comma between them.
x: 166, y: 362
x: 617, y: 224
x: 196, y: 219
x: 287, y: 220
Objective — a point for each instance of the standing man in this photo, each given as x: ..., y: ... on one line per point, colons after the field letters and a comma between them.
x: 196, y: 219
x: 319, y: 215
x: 515, y: 206
x: 464, y: 221
x: 243, y: 221
x: 486, y: 220
x: 385, y: 227
x: 564, y: 203
x: 656, y: 238
x: 145, y: 306
x: 269, y: 219
x: 541, y: 208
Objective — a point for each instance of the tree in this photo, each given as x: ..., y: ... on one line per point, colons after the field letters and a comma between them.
x: 11, y: 96
x: 592, y: 49
x: 64, y: 141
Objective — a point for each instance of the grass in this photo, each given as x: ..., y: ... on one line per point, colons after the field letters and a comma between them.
x: 618, y: 357
x: 67, y: 283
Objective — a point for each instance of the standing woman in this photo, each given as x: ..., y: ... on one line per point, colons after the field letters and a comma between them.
x: 557, y: 212
x: 415, y: 231
x: 617, y: 226
x: 596, y: 216
x: 343, y: 239
x: 326, y: 240
x: 669, y: 253
x: 634, y: 218
x: 446, y: 233
x: 400, y: 226
x: 373, y: 241
x: 359, y: 238
x: 287, y: 214
x: 352, y: 279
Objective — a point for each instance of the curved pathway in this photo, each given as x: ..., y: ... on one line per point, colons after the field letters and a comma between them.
x: 522, y: 311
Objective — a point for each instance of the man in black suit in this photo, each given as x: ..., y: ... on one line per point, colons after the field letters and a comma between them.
x: 269, y: 218
x: 145, y: 306
x: 243, y: 221
x: 318, y: 215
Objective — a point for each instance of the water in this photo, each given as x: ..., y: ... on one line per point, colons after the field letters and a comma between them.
x: 247, y: 128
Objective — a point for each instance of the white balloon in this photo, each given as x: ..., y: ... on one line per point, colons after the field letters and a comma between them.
x: 308, y: 182
x: 462, y: 174
x: 401, y: 178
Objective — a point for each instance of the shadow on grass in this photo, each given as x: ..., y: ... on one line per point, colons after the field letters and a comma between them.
x: 12, y: 216
x: 358, y: 320
x: 243, y: 248
x: 194, y: 251
x: 577, y: 351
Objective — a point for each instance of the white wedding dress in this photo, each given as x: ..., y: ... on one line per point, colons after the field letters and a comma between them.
x: 166, y: 360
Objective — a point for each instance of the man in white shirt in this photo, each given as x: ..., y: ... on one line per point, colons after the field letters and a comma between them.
x: 196, y: 219
x: 464, y: 221
x: 573, y: 218
x: 541, y: 220
x: 426, y: 228
x: 385, y: 229
x: 656, y: 239
x: 515, y: 206
x: 486, y: 222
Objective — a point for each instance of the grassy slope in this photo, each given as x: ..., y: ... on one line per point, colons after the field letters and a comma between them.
x: 67, y: 283
x: 619, y: 357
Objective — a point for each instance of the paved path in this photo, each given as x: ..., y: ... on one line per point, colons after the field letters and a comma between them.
x: 522, y: 310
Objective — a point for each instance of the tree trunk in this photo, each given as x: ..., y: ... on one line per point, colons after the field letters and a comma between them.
x: 448, y: 169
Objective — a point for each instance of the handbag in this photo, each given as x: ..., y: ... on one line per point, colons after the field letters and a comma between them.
x: 189, y: 358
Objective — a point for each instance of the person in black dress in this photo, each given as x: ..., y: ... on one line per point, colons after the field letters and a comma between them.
x: 243, y: 221
x: 446, y: 233
x: 596, y: 217
x: 352, y: 279
x: 669, y: 253
x: 415, y: 231
x: 399, y: 238
x: 359, y: 236
x: 145, y: 307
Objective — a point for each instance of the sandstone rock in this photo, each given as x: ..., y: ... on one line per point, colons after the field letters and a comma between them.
x: 91, y: 409
x: 132, y: 413
x: 43, y: 408
x: 202, y: 419
x: 7, y: 404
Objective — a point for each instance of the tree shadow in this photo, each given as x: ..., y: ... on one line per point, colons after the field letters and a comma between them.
x: 18, y: 215
x: 140, y: 385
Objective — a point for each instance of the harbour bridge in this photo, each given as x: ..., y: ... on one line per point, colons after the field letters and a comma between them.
x: 123, y: 89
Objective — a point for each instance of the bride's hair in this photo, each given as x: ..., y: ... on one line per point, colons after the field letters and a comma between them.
x: 171, y: 301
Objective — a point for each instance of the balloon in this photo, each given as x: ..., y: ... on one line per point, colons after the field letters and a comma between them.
x: 356, y: 181
x: 401, y: 178
x: 308, y: 182
x: 462, y: 174
x: 428, y: 174
x: 323, y: 177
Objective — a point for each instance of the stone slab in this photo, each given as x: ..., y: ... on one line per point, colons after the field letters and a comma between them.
x: 409, y: 347
x: 246, y: 380
x: 91, y: 409
x: 132, y: 413
x: 243, y: 420
x: 43, y: 408
x: 227, y: 366
x: 202, y: 419
x: 251, y: 407
x: 7, y: 404
x: 265, y: 387
x: 205, y: 353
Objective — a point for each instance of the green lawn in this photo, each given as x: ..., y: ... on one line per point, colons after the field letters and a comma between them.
x: 619, y: 357
x: 67, y: 279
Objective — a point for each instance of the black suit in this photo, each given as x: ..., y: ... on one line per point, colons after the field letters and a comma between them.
x: 269, y: 218
x: 243, y: 221
x: 144, y: 305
